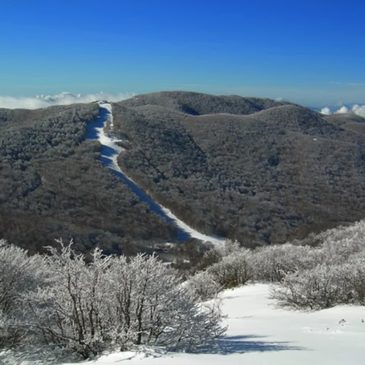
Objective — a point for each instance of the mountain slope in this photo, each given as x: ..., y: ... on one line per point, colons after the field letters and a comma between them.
x: 260, y: 176
x: 255, y: 170
x: 52, y: 185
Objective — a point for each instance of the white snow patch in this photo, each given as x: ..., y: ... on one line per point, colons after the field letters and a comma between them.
x: 260, y: 333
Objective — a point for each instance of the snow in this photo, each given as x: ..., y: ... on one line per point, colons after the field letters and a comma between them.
x: 260, y: 333
x: 109, y: 157
x: 193, y: 232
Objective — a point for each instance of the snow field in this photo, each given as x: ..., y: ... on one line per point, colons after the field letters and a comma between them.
x: 260, y: 333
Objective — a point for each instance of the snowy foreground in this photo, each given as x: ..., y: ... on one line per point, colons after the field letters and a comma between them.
x: 260, y: 333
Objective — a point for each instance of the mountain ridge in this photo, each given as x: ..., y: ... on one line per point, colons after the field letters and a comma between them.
x: 256, y: 170
x: 274, y: 142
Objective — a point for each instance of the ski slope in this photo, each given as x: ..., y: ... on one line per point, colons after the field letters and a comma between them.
x: 110, y: 150
x: 260, y: 333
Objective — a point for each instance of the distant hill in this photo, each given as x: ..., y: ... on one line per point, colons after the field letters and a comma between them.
x: 250, y: 169
x: 198, y: 104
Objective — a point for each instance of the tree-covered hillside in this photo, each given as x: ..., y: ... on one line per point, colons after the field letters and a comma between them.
x: 52, y: 185
x: 249, y: 169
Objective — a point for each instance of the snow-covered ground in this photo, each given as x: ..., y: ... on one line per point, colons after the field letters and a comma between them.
x: 109, y: 153
x: 260, y: 333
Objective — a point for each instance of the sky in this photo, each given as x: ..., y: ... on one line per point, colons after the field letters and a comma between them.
x: 310, y: 52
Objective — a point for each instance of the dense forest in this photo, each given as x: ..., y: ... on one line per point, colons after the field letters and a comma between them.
x: 52, y: 185
x: 254, y: 170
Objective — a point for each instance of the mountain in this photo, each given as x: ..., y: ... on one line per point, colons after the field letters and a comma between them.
x: 52, y: 186
x: 198, y: 104
x: 249, y: 169
x: 256, y: 170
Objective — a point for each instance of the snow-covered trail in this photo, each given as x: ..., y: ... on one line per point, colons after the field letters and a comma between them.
x: 110, y: 151
x: 261, y: 334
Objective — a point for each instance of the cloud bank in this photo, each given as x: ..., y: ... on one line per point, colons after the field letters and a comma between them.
x: 356, y: 109
x: 326, y: 111
x: 359, y: 110
x: 64, y: 98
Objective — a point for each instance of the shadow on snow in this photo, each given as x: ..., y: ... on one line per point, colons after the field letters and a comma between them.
x: 242, y: 344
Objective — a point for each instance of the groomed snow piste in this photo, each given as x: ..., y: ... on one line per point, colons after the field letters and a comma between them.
x: 109, y: 154
x: 260, y: 333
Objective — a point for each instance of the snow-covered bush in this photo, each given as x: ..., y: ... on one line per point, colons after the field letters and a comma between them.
x: 321, y: 287
x: 70, y: 310
x: 340, y: 243
x: 273, y: 263
x: 229, y: 247
x: 354, y: 275
x: 233, y: 270
x: 203, y: 286
x: 115, y: 302
x: 10, y: 335
x: 19, y: 274
x: 321, y: 277
x: 154, y: 308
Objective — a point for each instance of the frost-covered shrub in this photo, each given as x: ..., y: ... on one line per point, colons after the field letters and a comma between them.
x: 203, y: 286
x: 331, y: 274
x: 354, y: 276
x: 10, y: 335
x: 70, y: 310
x: 321, y: 287
x: 229, y: 247
x: 214, y: 254
x: 340, y: 243
x: 19, y: 274
x: 155, y: 309
x: 229, y: 267
x: 273, y: 263
x: 115, y: 302
x: 233, y: 270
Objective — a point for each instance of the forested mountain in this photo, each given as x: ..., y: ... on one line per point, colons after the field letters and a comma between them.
x: 249, y: 169
x: 255, y: 170
x: 52, y: 185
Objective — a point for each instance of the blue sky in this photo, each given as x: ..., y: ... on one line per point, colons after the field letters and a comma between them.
x: 310, y: 52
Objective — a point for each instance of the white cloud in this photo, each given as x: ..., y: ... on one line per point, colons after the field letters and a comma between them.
x: 356, y: 109
x: 359, y: 110
x: 326, y: 111
x: 343, y: 110
x: 64, y: 98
